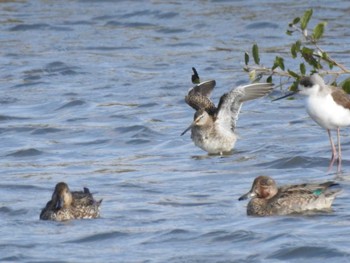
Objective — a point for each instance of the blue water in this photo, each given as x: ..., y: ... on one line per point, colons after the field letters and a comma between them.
x: 92, y: 93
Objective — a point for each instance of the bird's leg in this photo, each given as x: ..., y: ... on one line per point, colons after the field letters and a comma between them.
x: 339, y: 150
x: 334, y: 150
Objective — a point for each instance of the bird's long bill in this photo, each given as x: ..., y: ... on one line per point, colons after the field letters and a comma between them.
x: 187, y: 129
x: 285, y: 96
x: 246, y: 196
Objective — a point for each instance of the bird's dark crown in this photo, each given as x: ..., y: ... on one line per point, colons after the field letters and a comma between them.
x: 306, y: 82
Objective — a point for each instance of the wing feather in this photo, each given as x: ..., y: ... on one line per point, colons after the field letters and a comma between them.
x: 231, y: 103
x: 198, y: 97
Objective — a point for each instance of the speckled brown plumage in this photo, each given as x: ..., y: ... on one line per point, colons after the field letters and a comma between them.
x: 66, y: 205
x: 198, y: 97
x: 267, y: 199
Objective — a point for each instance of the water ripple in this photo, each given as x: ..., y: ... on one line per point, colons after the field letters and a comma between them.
x: 262, y: 25
x: 73, y: 103
x: 307, y: 252
x: 26, y: 153
x: 9, y: 118
x: 46, y: 130
x: 100, y: 237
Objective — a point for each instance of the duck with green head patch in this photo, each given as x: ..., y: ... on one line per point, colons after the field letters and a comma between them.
x: 267, y: 199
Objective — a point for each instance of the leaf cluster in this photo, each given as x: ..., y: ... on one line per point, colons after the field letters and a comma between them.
x: 307, y: 50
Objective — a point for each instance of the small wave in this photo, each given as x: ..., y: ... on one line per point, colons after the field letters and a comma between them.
x: 8, y: 100
x: 61, y: 68
x: 182, y: 204
x: 79, y: 22
x: 8, y: 118
x: 46, y: 130
x: 129, y: 24
x: 171, y: 30
x: 237, y: 236
x: 294, y: 162
x: 140, y: 132
x: 137, y: 141
x: 177, y: 231
x: 39, y: 26
x: 17, y: 187
x: 99, y: 237
x: 148, y: 105
x: 12, y: 212
x: 157, y: 14
x: 105, y: 48
x: 77, y: 119
x: 307, y: 252
x: 73, y: 103
x: 26, y: 27
x: 26, y: 153
x: 92, y: 142
x: 28, y: 84
x: 262, y: 25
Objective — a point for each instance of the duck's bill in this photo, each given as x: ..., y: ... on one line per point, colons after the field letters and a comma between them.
x: 188, y: 128
x: 285, y: 96
x: 246, y: 196
x: 59, y: 203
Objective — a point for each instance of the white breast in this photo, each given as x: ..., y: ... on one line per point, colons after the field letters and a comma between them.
x: 326, y: 113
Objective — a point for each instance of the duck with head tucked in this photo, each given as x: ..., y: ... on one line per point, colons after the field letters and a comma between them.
x: 67, y: 205
x: 267, y: 199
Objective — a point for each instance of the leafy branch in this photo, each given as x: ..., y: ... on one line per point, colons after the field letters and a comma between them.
x: 307, y: 48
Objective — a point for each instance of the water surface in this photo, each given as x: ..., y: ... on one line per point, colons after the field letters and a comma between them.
x: 92, y: 93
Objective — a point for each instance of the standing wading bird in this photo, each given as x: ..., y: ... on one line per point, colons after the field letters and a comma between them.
x: 267, y: 199
x: 66, y: 205
x: 328, y: 106
x: 213, y: 127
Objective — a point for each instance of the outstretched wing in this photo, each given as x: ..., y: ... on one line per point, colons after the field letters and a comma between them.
x: 199, y: 96
x: 230, y: 103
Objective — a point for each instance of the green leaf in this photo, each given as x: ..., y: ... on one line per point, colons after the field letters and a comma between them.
x: 294, y: 86
x: 275, y: 65
x: 289, y: 32
x: 346, y: 85
x: 246, y: 58
x: 318, y: 31
x: 296, y: 20
x: 293, y: 74
x: 326, y: 58
x: 302, y: 69
x: 307, y: 51
x: 269, y: 79
x: 293, y: 51
x: 305, y: 19
x: 331, y: 65
x: 308, y: 55
x: 256, y: 57
x: 279, y: 62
